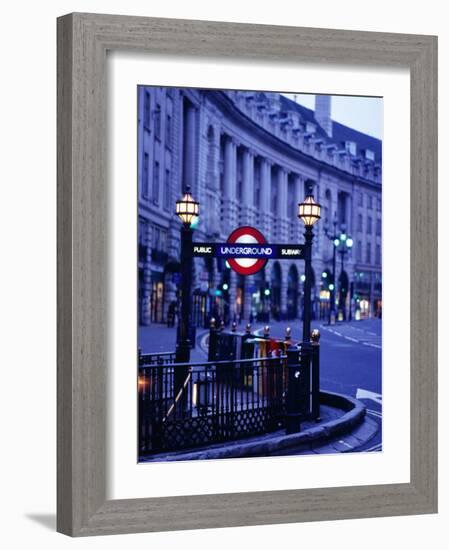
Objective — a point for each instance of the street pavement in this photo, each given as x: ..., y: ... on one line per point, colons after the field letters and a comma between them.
x: 160, y: 338
x: 350, y: 360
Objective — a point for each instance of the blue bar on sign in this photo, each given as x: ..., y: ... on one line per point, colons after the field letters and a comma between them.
x: 249, y: 250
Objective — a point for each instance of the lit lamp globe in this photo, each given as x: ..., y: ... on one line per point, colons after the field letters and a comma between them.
x: 309, y: 211
x: 187, y: 209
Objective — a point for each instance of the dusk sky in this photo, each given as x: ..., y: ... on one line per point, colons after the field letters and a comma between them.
x: 361, y: 113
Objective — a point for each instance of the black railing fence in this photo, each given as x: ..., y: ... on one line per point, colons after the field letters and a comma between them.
x: 162, y: 358
x: 216, y: 402
x: 250, y: 385
x: 187, y: 405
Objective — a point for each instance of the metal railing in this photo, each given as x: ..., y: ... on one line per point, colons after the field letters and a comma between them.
x: 211, y: 402
x: 250, y: 385
x: 162, y: 358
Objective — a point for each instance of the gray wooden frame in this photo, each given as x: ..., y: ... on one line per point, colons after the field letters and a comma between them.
x: 83, y: 40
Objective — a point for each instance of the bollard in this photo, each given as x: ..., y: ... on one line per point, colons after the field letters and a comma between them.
x: 315, y: 338
x: 248, y: 328
x: 222, y: 326
x: 234, y: 326
x: 266, y: 331
x: 288, y: 334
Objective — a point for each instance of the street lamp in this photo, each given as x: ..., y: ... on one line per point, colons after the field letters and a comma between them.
x: 341, y: 243
x: 309, y: 212
x: 344, y: 247
x: 187, y: 210
x: 335, y: 243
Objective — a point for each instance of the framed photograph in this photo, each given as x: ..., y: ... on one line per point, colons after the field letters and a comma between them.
x: 247, y: 279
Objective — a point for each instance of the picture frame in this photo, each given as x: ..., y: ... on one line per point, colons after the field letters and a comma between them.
x: 83, y: 41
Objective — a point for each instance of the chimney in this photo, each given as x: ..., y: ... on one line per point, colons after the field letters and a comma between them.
x: 323, y: 113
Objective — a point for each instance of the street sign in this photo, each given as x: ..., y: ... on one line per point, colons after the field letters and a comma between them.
x: 242, y: 238
x: 252, y: 251
x: 247, y: 251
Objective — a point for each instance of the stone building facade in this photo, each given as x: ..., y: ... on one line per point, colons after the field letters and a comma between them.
x: 249, y: 158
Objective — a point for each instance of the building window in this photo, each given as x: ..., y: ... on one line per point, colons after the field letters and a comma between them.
x: 147, y: 109
x: 159, y: 238
x: 209, y: 213
x: 358, y: 251
x: 163, y: 241
x: 368, y: 253
x: 369, y: 225
x: 341, y: 208
x: 378, y: 227
x: 145, y: 176
x: 310, y: 128
x: 351, y: 147
x: 379, y: 204
x: 370, y: 202
x: 360, y: 223
x: 378, y: 254
x: 168, y: 123
x: 156, y: 237
x: 156, y: 183
x: 369, y: 154
x: 143, y: 231
x: 159, y: 253
x: 167, y: 190
x: 168, y: 132
x: 157, y: 121
x: 360, y: 197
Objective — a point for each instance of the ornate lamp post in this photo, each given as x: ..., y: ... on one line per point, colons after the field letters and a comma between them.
x: 188, y: 211
x: 335, y: 242
x: 341, y: 244
x: 298, y: 372
x: 344, y: 247
x: 309, y: 212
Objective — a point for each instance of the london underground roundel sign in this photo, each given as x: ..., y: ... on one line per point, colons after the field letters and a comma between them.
x: 247, y: 235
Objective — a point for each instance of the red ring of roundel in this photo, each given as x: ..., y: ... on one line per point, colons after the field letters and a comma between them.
x: 260, y: 264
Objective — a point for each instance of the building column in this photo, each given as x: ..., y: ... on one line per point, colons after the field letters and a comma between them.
x: 214, y: 184
x: 248, y: 186
x: 265, y: 195
x: 229, y: 199
x: 282, y: 204
x: 299, y: 226
x: 349, y: 217
x: 190, y: 141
